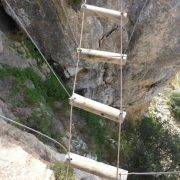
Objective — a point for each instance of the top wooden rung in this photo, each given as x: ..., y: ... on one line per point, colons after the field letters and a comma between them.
x: 104, y: 13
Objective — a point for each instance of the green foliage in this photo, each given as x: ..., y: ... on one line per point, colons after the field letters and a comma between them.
x: 21, y: 77
x: 38, y: 96
x: 41, y: 119
x: 97, y: 130
x: 49, y: 90
x: 60, y: 171
x: 175, y: 104
x: 31, y: 50
x: 147, y: 146
x: 74, y: 2
x: 55, y: 92
x: 33, y: 96
x: 27, y: 49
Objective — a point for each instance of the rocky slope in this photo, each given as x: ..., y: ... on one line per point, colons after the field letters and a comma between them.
x: 21, y: 73
x: 19, y: 155
x: 152, y: 53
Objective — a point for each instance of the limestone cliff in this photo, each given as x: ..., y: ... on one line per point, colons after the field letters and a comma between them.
x: 31, y: 95
x: 152, y: 54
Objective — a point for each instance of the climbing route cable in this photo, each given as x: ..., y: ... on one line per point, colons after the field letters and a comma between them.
x: 35, y: 131
x: 74, y: 86
x: 135, y: 25
x: 121, y: 95
x: 35, y: 44
x: 155, y: 173
x: 76, y: 72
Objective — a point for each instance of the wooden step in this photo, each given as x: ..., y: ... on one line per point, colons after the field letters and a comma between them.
x: 109, y: 14
x: 102, y: 56
x: 94, y: 167
x: 97, y: 108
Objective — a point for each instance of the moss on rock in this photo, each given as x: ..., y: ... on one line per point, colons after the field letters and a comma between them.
x: 175, y: 104
x: 60, y: 171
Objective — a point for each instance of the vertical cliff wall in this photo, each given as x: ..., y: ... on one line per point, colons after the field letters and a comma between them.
x: 30, y: 94
x: 152, y: 54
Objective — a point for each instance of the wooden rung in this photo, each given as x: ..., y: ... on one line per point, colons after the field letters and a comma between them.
x: 97, y: 108
x: 112, y: 15
x: 94, y: 167
x: 102, y: 56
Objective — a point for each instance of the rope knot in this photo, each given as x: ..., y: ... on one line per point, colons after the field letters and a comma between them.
x: 121, y: 116
x: 79, y: 50
x: 68, y: 159
x: 83, y: 6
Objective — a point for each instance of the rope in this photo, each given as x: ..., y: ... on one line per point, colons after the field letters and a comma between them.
x: 75, y: 78
x: 74, y: 87
x: 35, y: 131
x: 30, y: 37
x: 121, y: 80
x: 154, y: 173
x: 135, y: 25
x: 121, y: 94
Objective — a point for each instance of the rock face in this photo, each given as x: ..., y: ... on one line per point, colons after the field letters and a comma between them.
x: 160, y: 107
x: 19, y: 159
x: 15, y: 161
x: 22, y: 155
x: 152, y: 63
x: 152, y: 52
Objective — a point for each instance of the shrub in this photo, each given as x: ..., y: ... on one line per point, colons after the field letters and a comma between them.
x: 74, y: 2
x: 147, y: 146
x: 175, y: 104
x: 30, y: 51
x: 60, y: 172
x: 54, y: 90
x: 41, y: 120
x: 38, y: 98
